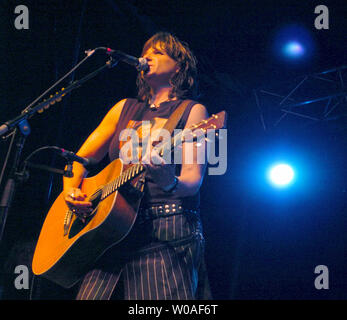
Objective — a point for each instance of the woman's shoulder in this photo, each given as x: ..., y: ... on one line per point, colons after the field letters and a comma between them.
x: 197, y: 112
x: 126, y: 108
x: 195, y: 106
x: 124, y: 104
x: 130, y: 102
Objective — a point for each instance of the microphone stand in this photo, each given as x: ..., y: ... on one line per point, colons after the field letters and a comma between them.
x: 21, y: 125
x: 13, y: 178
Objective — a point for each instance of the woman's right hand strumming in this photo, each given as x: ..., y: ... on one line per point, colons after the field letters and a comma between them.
x: 77, y: 202
x: 96, y: 147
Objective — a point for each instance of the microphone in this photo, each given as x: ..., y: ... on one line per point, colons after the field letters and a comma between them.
x: 140, y: 64
x: 70, y: 156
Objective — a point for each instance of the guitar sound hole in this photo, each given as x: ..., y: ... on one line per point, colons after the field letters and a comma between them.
x: 78, y: 225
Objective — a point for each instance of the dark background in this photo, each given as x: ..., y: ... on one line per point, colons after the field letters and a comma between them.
x: 261, y: 243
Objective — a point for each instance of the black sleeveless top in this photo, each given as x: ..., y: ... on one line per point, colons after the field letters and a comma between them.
x: 131, y: 117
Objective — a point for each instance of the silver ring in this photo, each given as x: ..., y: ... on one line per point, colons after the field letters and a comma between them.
x: 72, y: 195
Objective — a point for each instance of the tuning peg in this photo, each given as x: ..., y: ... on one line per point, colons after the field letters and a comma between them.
x: 46, y: 106
x: 53, y: 101
x: 58, y: 99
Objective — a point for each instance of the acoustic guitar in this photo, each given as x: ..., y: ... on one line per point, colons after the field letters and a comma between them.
x: 68, y: 247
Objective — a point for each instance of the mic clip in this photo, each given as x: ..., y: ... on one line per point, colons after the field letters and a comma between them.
x: 68, y: 171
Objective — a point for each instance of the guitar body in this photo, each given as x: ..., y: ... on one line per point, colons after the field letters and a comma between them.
x: 64, y: 257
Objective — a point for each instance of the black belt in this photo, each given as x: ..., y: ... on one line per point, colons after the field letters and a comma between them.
x: 164, y: 210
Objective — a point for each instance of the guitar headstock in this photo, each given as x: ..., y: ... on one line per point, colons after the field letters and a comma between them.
x: 216, y: 121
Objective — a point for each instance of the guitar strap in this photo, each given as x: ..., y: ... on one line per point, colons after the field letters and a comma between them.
x: 176, y: 116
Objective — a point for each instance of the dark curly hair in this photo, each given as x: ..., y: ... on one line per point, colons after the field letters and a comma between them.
x: 184, y: 82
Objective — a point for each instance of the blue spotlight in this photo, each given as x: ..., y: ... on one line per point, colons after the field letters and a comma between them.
x: 293, y: 49
x: 293, y: 44
x: 281, y: 175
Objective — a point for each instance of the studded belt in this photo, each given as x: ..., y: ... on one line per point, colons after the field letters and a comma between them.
x: 164, y: 210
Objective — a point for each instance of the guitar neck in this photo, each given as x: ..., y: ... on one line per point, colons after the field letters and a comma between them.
x: 133, y: 171
x: 188, y: 135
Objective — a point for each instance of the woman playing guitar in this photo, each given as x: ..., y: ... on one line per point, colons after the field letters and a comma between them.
x: 165, y: 260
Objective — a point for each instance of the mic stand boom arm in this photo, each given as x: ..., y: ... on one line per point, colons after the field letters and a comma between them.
x: 21, y: 123
x: 28, y: 113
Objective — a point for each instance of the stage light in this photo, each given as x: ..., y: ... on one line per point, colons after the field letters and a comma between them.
x: 281, y: 175
x: 293, y: 44
x: 293, y: 49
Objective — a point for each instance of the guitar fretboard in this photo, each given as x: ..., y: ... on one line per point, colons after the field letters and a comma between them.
x: 126, y: 176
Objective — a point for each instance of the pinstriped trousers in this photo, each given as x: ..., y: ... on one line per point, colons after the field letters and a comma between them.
x: 165, y: 268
